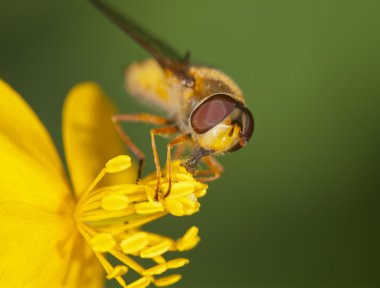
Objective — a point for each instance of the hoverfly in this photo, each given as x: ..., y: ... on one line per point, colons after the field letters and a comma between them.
x: 204, y: 106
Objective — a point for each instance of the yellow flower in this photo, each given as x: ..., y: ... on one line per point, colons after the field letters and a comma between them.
x: 52, y: 235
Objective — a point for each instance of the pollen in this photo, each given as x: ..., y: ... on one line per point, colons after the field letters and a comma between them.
x: 112, y: 218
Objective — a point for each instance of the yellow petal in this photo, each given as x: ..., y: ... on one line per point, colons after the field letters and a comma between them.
x: 30, y: 169
x: 84, y: 269
x: 35, y: 246
x: 89, y: 136
x: 37, y: 232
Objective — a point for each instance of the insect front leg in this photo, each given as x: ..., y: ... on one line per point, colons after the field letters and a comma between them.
x: 159, y: 131
x: 145, y: 118
x: 179, y: 151
x: 178, y: 140
x: 214, y: 171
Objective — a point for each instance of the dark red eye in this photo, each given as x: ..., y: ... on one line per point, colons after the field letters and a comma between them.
x: 247, y: 124
x: 211, y: 112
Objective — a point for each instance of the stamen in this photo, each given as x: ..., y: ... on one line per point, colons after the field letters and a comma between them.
x: 180, y: 189
x: 188, y: 203
x: 149, y: 207
x: 128, y: 261
x: 141, y: 221
x: 117, y: 271
x: 134, y: 243
x: 114, y: 202
x: 102, y: 242
x: 92, y: 186
x: 100, y: 215
x: 177, y: 263
x: 86, y: 232
x: 189, y: 245
x: 174, y: 207
x: 118, y: 164
x: 156, y: 250
x: 200, y: 193
x: 168, y: 280
x: 126, y: 189
x: 188, y: 240
x: 150, y: 193
x: 111, y: 219
x: 200, y: 189
x: 140, y: 283
x: 183, y: 177
x: 159, y: 259
x: 109, y: 269
x: 155, y: 270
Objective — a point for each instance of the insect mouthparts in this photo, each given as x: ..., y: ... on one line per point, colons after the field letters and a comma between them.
x: 192, y: 163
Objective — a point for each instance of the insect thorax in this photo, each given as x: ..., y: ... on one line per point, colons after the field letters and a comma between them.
x: 151, y: 84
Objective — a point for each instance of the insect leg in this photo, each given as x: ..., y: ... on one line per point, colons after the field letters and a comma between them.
x: 146, y: 118
x: 159, y: 131
x: 178, y: 140
x: 178, y: 152
x: 215, y: 170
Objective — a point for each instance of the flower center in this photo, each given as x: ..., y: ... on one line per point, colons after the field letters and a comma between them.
x: 111, y: 220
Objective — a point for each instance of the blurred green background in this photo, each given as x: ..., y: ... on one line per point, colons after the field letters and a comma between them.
x: 299, y: 207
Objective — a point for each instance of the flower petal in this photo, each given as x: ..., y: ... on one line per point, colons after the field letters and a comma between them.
x: 84, y: 269
x: 30, y: 170
x: 42, y: 249
x: 35, y: 246
x: 90, y: 138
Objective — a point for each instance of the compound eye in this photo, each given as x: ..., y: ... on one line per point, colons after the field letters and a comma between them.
x: 211, y: 112
x: 247, y: 123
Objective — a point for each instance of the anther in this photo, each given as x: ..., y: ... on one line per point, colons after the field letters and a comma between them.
x: 102, y: 242
x: 114, y: 202
x: 117, y: 271
x: 118, y: 164
x: 168, y: 280
x: 156, y: 250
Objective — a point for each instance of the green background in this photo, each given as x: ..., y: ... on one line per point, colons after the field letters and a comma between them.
x: 299, y: 207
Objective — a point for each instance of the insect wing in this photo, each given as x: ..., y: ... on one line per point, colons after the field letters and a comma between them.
x: 167, y: 57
